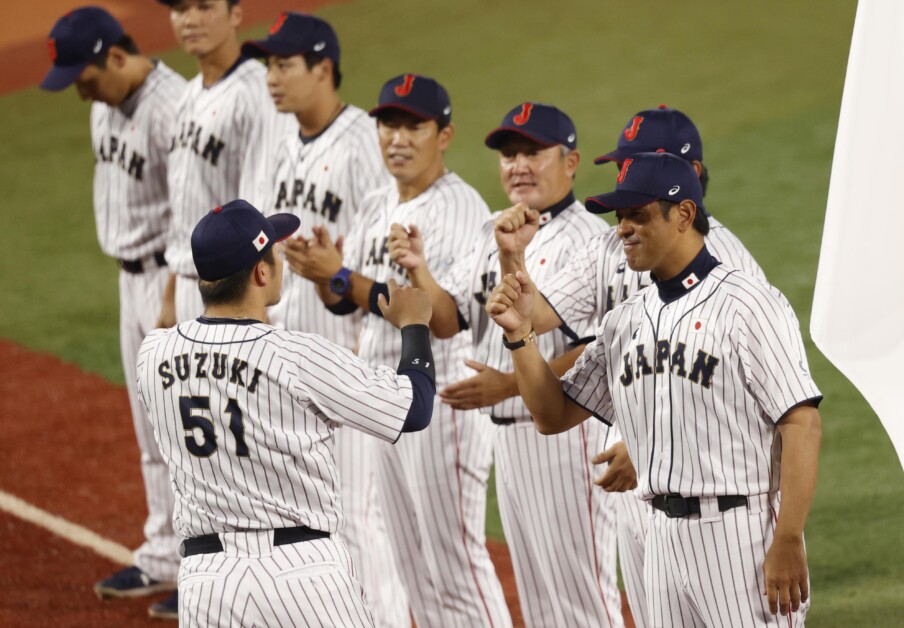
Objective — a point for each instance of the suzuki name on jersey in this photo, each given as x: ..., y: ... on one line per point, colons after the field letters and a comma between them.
x: 204, y: 365
x: 329, y: 208
x: 112, y: 149
x: 190, y: 137
x: 638, y: 364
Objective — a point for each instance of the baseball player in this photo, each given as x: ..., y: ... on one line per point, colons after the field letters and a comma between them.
x: 225, y: 132
x: 598, y: 278
x: 133, y: 108
x: 322, y: 173
x: 244, y: 415
x: 544, y: 484
x: 433, y: 483
x: 706, y: 373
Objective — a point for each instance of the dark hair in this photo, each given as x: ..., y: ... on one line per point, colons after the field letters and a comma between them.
x: 392, y: 115
x: 701, y: 220
x: 312, y: 58
x: 125, y: 42
x: 233, y: 288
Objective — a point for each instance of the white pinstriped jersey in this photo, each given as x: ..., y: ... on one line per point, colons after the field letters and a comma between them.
x: 244, y: 416
x: 449, y: 214
x: 222, y: 147
x: 598, y: 277
x: 131, y: 144
x: 472, y: 279
x: 696, y: 385
x: 323, y: 181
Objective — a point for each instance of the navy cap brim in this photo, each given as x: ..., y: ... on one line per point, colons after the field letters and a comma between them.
x: 284, y: 225
x: 266, y: 47
x: 62, y: 76
x: 605, y: 203
x: 619, y: 154
x: 423, y: 115
x: 496, y: 137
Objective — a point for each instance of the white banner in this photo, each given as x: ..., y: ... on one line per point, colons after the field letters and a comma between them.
x: 858, y: 303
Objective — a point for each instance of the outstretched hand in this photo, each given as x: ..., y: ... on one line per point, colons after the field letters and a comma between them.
x: 406, y: 306
x: 485, y: 389
x: 406, y: 246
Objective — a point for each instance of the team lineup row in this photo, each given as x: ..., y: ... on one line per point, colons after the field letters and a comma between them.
x: 264, y: 398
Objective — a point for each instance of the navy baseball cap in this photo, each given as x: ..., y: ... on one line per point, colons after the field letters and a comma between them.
x: 236, y: 236
x: 295, y: 34
x: 663, y: 129
x: 77, y: 38
x: 647, y: 177
x: 421, y: 96
x: 544, y: 124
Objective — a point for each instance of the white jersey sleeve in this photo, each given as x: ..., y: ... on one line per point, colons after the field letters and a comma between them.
x: 349, y: 392
x: 770, y: 348
x: 587, y: 382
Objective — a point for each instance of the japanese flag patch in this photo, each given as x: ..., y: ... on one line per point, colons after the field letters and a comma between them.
x: 690, y: 281
x: 698, y: 325
x: 260, y: 241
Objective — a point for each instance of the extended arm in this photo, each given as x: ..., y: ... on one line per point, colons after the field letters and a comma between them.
x: 785, y: 567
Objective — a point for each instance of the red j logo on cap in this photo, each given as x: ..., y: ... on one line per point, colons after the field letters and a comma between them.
x: 524, y: 116
x: 405, y: 88
x: 51, y: 48
x: 624, y: 170
x: 631, y: 131
x: 278, y: 24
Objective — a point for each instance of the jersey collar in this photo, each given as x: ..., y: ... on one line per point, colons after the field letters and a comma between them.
x: 233, y: 68
x: 554, y: 210
x: 307, y: 139
x: 210, y: 320
x: 688, y: 279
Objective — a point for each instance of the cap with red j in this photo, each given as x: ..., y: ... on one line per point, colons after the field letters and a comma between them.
x: 75, y: 40
x: 421, y: 96
x: 544, y: 124
x: 648, y: 177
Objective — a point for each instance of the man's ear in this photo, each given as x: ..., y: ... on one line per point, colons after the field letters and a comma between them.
x: 686, y: 211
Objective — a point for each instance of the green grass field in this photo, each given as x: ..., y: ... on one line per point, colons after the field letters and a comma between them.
x: 762, y: 80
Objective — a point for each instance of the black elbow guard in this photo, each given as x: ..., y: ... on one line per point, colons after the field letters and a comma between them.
x: 416, y: 351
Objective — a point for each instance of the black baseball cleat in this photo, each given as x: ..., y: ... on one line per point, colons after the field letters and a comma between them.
x: 167, y: 608
x: 130, y: 582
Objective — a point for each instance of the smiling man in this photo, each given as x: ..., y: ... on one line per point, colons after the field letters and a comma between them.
x: 539, y: 479
x: 434, y: 482
x: 132, y: 112
x: 222, y: 141
x: 322, y: 173
x: 706, y: 376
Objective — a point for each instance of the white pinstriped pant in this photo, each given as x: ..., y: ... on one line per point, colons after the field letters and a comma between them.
x: 252, y: 583
x: 188, y: 299
x: 707, y: 570
x: 434, y: 485
x: 559, y: 526
x: 139, y: 303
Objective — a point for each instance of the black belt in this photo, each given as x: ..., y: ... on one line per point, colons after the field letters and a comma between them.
x: 136, y: 267
x: 211, y: 544
x: 678, y: 506
x: 501, y: 421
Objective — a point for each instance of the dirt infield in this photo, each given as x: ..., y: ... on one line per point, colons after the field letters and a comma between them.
x: 24, y: 29
x: 70, y: 450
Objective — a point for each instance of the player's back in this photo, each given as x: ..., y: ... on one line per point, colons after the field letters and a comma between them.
x: 244, y: 416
